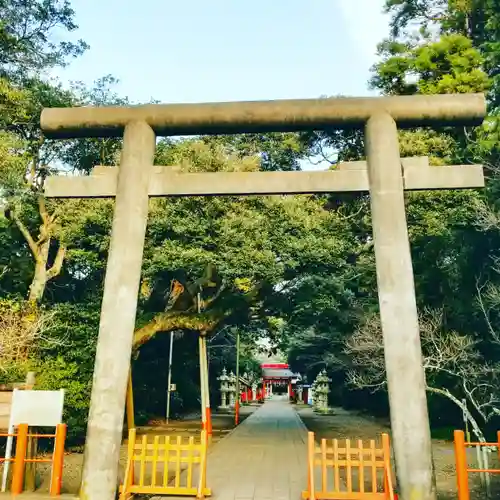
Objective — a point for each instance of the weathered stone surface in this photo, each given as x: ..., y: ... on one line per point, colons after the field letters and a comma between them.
x: 398, y: 312
x: 386, y: 180
x: 119, y: 305
x: 263, y: 116
x: 349, y: 177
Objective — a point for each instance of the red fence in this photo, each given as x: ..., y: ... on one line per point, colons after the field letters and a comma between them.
x: 463, y: 469
x: 22, y: 436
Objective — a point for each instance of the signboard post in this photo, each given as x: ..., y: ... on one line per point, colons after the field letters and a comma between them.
x: 169, y: 382
x: 35, y: 408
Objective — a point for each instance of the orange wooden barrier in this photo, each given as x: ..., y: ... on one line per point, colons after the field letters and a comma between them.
x: 209, y: 422
x: 22, y: 435
x: 18, y: 471
x: 462, y: 466
x: 58, y: 460
x: 336, y: 465
x: 154, y: 459
x: 237, y: 412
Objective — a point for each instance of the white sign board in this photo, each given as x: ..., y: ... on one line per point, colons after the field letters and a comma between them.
x: 35, y: 408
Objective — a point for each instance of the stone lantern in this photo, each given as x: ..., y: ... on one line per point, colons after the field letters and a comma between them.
x: 300, y: 393
x: 232, y: 390
x: 244, y: 388
x: 224, y: 389
x: 321, y: 390
x: 313, y: 394
x: 254, y: 391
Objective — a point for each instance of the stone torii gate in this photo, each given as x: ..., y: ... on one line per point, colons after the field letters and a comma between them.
x: 385, y: 175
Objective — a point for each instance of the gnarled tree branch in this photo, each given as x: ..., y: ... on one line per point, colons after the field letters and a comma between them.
x: 58, y: 263
x: 174, y: 320
x: 27, y: 236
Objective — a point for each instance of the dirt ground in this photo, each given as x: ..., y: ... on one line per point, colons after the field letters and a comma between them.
x: 190, y: 426
x: 348, y: 424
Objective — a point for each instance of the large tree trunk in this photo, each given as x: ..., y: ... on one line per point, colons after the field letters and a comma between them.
x: 40, y: 251
x: 40, y: 277
x: 43, y: 274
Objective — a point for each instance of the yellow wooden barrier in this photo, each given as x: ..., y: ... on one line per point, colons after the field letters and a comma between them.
x: 165, y: 466
x: 335, y: 465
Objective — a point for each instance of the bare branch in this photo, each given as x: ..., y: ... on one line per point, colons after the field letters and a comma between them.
x: 452, y: 363
x: 22, y: 331
x: 58, y: 262
x: 5, y: 270
x: 447, y: 394
x: 27, y: 236
x: 208, y: 302
x: 485, y: 311
x: 487, y: 217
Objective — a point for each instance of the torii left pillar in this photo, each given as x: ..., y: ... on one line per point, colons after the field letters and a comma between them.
x: 116, y: 328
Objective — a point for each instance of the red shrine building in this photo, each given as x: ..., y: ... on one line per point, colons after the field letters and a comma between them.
x: 277, y: 378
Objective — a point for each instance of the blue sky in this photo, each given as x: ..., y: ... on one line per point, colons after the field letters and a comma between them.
x: 227, y: 50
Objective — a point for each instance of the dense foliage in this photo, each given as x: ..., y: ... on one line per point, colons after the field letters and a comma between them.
x: 434, y: 47
x: 298, y: 271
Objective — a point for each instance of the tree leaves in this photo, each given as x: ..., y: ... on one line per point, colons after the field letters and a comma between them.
x: 27, y: 35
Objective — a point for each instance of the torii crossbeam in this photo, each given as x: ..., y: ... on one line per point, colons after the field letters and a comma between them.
x: 385, y: 175
x: 349, y: 177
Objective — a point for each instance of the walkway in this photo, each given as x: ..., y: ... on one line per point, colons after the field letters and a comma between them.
x: 262, y: 459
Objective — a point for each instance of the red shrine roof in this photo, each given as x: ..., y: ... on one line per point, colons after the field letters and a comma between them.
x: 273, y: 373
x: 277, y: 370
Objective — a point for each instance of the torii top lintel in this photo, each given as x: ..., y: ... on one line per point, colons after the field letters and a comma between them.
x: 263, y: 116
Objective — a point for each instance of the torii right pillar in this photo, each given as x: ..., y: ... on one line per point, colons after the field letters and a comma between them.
x: 398, y: 311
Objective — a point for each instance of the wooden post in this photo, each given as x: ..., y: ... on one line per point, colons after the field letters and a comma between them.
x: 206, y: 388
x: 169, y: 375
x: 203, y: 466
x: 311, y: 445
x: 30, y: 469
x: 129, y: 402
x: 237, y: 399
x: 130, y: 472
x: 202, y: 385
x: 461, y: 464
x: 58, y: 461
x: 19, y: 461
x: 386, y: 457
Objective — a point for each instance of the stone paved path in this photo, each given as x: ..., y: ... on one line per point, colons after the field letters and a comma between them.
x: 262, y: 459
